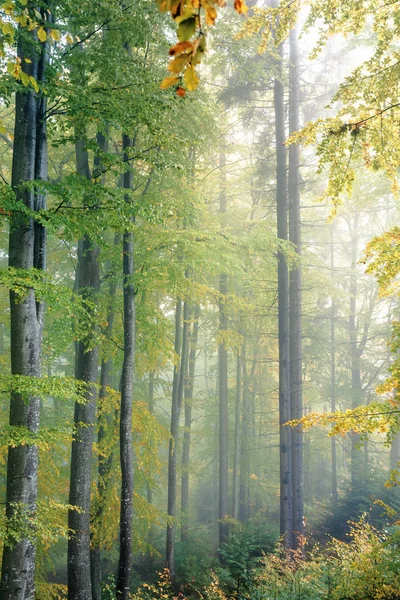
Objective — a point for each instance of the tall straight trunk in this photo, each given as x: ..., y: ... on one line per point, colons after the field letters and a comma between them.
x: 104, y: 424
x: 181, y: 344
x: 188, y: 396
x: 151, y: 411
x: 125, y: 429
x: 333, y: 380
x: 245, y: 441
x: 285, y: 442
x: 296, y: 347
x: 27, y: 249
x: 356, y: 457
x: 236, y: 446
x: 86, y: 366
x: 223, y: 377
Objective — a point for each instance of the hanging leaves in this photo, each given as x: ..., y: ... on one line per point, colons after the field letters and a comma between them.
x: 191, y: 16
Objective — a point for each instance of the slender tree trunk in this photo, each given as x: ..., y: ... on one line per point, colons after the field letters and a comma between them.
x: 27, y: 249
x: 356, y: 456
x: 333, y: 381
x: 188, y: 394
x: 245, y: 441
x: 296, y: 347
x: 286, y: 494
x: 181, y: 343
x: 223, y: 378
x: 104, y: 424
x: 151, y: 411
x: 86, y: 367
x: 125, y: 429
x: 236, y: 447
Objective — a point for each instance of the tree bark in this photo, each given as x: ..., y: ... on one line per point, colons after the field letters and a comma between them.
x: 125, y: 430
x: 86, y: 367
x: 295, y: 300
x: 286, y: 494
x: 27, y: 249
x: 188, y: 394
x: 237, y: 437
x: 333, y: 380
x: 181, y: 344
x: 223, y: 378
x: 245, y: 441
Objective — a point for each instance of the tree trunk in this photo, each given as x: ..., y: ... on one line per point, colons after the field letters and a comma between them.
x: 245, y: 441
x: 125, y: 430
x: 356, y: 457
x: 236, y: 447
x: 296, y: 348
x: 286, y: 508
x: 333, y: 381
x: 188, y: 394
x: 223, y: 378
x: 151, y: 411
x: 181, y: 343
x: 86, y: 367
x: 27, y: 249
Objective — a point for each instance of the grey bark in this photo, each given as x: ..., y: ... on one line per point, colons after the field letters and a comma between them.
x: 181, y: 345
x: 86, y: 367
x: 333, y: 380
x: 126, y: 437
x: 223, y: 377
x: 188, y: 399
x: 27, y: 249
x: 236, y: 446
x: 295, y: 297
x: 285, y: 443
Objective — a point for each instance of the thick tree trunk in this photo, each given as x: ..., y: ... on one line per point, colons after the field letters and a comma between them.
x: 188, y: 395
x: 286, y: 495
x: 296, y: 347
x: 333, y: 380
x: 27, y: 249
x: 125, y: 430
x: 86, y: 367
x: 181, y: 345
x: 223, y: 378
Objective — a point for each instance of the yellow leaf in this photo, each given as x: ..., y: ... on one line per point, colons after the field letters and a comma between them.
x: 190, y: 78
x: 42, y: 35
x: 241, y: 7
x: 178, y: 64
x: 7, y: 29
x: 24, y: 79
x: 28, y: 61
x: 169, y: 81
x: 34, y: 83
x: 70, y: 39
x: 55, y: 34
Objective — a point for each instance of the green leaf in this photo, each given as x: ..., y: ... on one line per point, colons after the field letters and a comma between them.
x: 186, y: 29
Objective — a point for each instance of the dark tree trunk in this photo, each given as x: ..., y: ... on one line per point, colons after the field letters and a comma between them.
x: 104, y: 424
x: 286, y: 495
x: 86, y: 367
x: 27, y: 249
x: 181, y: 345
x: 125, y: 430
x: 333, y: 381
x: 223, y: 378
x: 188, y: 395
x: 296, y: 349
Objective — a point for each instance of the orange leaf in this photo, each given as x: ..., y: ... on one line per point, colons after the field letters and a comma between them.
x: 180, y: 92
x: 181, y: 48
x: 241, y: 7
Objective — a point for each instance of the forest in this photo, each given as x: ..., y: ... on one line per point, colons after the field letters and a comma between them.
x: 200, y: 277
